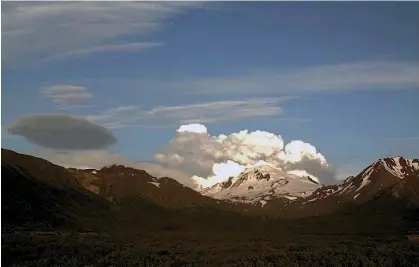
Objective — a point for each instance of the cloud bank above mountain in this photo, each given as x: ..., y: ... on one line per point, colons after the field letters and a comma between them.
x: 213, y: 159
x: 194, y: 157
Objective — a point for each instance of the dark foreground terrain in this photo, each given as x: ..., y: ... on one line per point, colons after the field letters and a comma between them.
x: 32, y: 248
x: 50, y: 219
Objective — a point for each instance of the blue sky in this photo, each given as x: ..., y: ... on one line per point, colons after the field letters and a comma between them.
x: 341, y: 76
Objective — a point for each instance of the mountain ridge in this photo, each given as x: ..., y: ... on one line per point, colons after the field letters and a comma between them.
x: 117, y: 186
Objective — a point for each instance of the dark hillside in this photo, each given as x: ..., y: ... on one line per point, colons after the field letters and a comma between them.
x: 36, y: 191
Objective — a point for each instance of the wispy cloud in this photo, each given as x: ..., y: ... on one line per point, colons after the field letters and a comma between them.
x: 127, y: 47
x: 67, y: 96
x: 208, y: 112
x: 348, y: 76
x: 32, y: 31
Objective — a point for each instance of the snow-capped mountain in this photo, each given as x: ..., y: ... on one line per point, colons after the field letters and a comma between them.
x: 382, y: 174
x: 263, y: 183
x: 266, y: 184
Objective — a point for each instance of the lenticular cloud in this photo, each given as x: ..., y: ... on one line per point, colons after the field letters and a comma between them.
x: 213, y: 159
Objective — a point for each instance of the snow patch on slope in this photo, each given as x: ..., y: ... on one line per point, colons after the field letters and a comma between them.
x: 263, y: 202
x: 303, y: 173
x: 290, y: 197
x: 366, y: 177
x: 155, y: 184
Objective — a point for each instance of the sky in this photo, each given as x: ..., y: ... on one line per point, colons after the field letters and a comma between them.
x: 89, y: 84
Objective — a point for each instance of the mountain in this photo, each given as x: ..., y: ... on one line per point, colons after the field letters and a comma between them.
x: 390, y: 178
x: 35, y: 190
x: 260, y: 184
x: 118, y: 182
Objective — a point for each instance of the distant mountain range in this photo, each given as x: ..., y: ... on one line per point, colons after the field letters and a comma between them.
x: 36, y: 190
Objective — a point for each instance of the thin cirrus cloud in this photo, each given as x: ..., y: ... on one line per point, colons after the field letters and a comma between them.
x: 77, y: 28
x: 364, y: 75
x: 126, y: 47
x: 67, y: 96
x: 207, y: 112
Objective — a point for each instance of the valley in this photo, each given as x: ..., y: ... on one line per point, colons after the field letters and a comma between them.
x: 54, y: 216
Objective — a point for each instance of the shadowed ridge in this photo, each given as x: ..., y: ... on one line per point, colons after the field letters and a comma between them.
x: 37, y: 191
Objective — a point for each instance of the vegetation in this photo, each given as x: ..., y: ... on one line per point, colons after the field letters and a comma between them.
x: 171, y: 248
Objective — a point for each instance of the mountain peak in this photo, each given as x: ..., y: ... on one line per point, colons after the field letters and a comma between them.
x: 255, y: 174
x: 381, y: 174
x: 261, y: 168
x: 261, y: 183
x: 385, y: 169
x: 397, y: 166
x: 123, y: 169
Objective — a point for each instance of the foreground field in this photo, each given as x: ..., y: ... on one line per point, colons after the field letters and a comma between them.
x: 171, y: 248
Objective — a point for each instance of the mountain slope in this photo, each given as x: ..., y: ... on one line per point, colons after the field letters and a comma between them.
x: 379, y: 176
x: 40, y: 195
x: 118, y: 182
x: 393, y: 179
x: 37, y: 191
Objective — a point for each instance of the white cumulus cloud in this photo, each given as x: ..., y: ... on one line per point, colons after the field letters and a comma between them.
x: 213, y: 159
x: 193, y: 128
